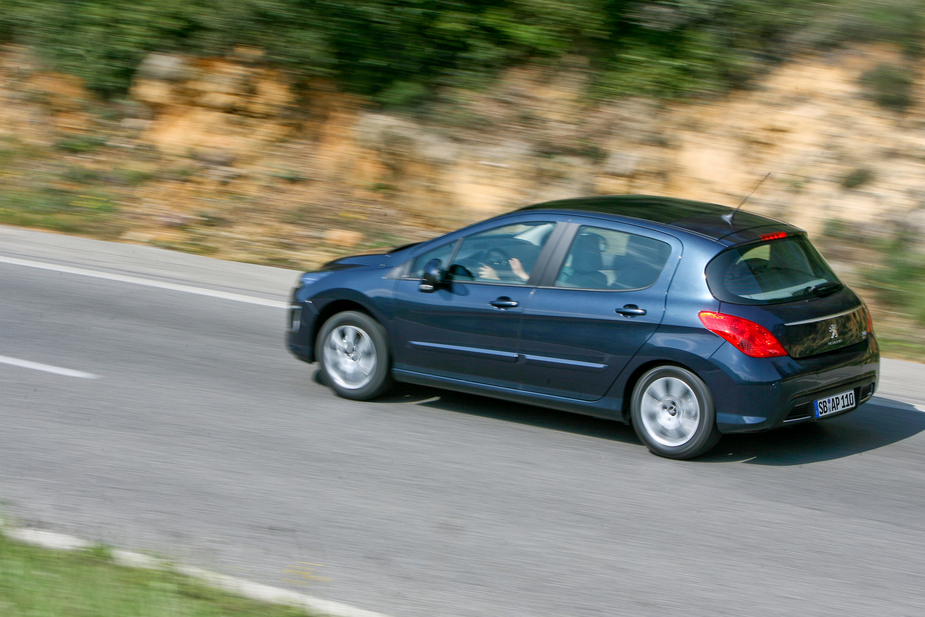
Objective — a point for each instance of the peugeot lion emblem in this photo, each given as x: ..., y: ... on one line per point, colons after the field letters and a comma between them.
x: 833, y: 331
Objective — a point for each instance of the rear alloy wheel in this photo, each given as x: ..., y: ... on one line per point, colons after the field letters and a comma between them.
x: 354, y: 355
x: 673, y: 414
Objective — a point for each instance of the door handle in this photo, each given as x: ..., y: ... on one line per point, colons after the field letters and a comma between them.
x: 504, y: 302
x: 630, y: 310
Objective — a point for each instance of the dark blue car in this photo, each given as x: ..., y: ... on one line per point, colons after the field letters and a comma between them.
x: 686, y: 319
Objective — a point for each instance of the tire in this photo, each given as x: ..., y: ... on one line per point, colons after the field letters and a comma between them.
x: 354, y: 356
x: 673, y: 414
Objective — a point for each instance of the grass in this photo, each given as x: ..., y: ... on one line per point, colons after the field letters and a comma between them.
x: 195, y: 246
x: 80, y: 144
x: 37, y: 582
x: 902, y: 348
x: 60, y: 210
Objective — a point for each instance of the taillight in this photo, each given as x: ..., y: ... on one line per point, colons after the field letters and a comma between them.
x: 748, y: 337
x: 870, y: 321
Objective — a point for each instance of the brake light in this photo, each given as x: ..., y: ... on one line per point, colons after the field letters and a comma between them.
x: 748, y: 337
x: 777, y: 235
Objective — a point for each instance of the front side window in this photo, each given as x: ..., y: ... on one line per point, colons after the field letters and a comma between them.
x: 602, y: 258
x: 501, y: 255
x: 771, y: 272
x: 442, y: 253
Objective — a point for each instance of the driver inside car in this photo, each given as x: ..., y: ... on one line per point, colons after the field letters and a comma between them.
x: 504, y: 269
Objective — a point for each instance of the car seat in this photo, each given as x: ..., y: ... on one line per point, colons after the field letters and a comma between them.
x: 586, y: 263
x: 645, y: 259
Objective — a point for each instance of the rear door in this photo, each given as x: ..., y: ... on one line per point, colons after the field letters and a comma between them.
x: 600, y: 300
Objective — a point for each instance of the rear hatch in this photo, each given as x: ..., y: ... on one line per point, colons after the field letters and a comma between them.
x: 782, y: 283
x: 819, y: 334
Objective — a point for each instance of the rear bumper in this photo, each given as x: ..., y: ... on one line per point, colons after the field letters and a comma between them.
x: 756, y: 394
x: 802, y: 409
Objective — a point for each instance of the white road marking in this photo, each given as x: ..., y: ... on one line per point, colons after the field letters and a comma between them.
x: 48, y: 368
x: 212, y: 293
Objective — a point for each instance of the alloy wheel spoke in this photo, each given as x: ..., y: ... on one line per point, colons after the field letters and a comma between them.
x: 363, y: 347
x: 688, y: 425
x: 667, y: 383
x: 350, y: 338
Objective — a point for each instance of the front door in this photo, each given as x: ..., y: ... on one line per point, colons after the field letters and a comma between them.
x: 468, y: 327
x: 462, y: 331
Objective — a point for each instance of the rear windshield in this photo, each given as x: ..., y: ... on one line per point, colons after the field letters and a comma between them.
x: 771, y: 272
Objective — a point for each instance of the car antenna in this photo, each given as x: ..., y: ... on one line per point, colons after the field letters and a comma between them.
x: 728, y: 216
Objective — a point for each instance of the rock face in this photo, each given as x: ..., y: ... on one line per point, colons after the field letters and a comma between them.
x: 213, y: 109
x: 807, y: 123
x: 234, y: 155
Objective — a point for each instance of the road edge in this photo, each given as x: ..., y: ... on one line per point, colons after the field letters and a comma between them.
x: 239, y: 586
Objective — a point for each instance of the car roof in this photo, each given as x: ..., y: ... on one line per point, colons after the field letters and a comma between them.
x: 720, y: 223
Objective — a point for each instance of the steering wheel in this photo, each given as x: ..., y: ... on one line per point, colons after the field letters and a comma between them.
x: 498, y: 259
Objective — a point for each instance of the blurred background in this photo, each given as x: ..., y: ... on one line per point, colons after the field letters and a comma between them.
x: 289, y: 132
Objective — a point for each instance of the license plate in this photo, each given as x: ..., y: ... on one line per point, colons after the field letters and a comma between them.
x: 834, y: 404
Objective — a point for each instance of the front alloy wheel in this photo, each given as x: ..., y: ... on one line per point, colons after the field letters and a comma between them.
x: 354, y: 356
x: 672, y: 412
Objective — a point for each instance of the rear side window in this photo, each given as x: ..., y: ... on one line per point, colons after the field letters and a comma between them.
x: 771, y: 272
x: 602, y: 258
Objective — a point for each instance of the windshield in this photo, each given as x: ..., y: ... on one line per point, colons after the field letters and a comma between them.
x: 771, y: 272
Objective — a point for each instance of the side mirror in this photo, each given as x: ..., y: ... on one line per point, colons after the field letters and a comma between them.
x: 433, y: 276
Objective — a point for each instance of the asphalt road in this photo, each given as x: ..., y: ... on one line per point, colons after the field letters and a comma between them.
x: 194, y: 434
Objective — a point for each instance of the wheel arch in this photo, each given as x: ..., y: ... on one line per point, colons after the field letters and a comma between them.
x: 693, y: 442
x: 636, y: 375
x: 333, y: 308
x: 360, y: 373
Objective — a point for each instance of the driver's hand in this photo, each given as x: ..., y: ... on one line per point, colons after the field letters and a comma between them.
x: 488, y: 273
x: 518, y: 269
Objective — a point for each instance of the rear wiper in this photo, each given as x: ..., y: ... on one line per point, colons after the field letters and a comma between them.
x: 825, y: 289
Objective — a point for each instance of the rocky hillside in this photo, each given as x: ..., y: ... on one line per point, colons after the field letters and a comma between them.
x: 227, y: 157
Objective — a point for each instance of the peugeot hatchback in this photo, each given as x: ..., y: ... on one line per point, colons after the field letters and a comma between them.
x: 687, y: 320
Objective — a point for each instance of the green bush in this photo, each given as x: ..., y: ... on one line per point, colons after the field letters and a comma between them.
x: 399, y: 51
x: 900, y: 22
x: 840, y: 230
x: 857, y: 177
x: 80, y: 143
x: 898, y: 279
x: 130, y: 177
x: 81, y: 175
x: 290, y: 175
x: 889, y: 86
